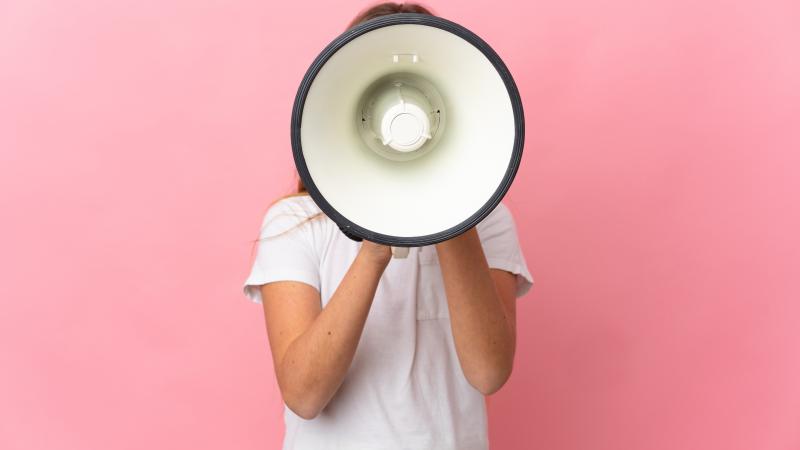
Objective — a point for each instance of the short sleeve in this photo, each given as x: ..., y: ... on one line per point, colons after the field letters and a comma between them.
x: 498, y: 235
x: 285, y: 250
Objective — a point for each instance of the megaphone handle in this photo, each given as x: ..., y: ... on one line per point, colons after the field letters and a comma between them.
x: 400, y: 252
x: 397, y: 252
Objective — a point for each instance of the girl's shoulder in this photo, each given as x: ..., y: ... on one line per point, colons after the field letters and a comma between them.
x: 295, y: 203
x: 499, y: 216
x: 289, y: 212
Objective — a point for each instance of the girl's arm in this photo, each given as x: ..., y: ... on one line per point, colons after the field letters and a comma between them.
x: 312, y: 347
x: 482, y: 309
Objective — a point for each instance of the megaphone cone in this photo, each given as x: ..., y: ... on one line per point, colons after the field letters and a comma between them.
x: 407, y: 130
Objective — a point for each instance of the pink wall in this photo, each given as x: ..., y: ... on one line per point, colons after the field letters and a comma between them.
x: 140, y: 142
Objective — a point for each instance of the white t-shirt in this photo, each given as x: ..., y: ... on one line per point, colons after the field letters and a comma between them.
x: 405, y: 388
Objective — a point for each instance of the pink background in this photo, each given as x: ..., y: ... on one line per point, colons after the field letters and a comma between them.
x: 657, y: 202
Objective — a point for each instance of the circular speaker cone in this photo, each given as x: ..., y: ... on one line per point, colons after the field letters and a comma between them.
x: 407, y: 130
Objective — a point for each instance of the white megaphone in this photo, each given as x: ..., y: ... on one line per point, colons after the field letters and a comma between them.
x: 407, y: 130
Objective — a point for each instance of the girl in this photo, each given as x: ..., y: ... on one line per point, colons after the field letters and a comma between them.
x: 372, y: 352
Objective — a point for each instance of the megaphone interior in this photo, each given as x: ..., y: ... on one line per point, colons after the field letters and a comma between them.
x: 407, y: 130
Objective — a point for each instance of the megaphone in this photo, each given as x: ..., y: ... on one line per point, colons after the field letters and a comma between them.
x: 407, y: 130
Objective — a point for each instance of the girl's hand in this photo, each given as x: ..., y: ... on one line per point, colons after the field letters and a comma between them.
x: 376, y: 253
